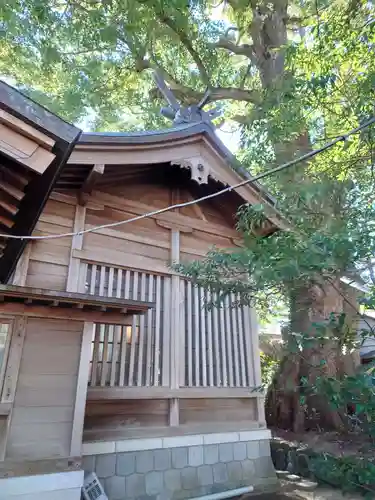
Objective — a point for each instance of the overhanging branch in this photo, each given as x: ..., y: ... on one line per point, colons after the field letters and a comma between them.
x: 188, y: 45
x: 241, y: 50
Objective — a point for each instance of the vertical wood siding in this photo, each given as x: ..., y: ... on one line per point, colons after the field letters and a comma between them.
x: 217, y: 342
x: 129, y: 355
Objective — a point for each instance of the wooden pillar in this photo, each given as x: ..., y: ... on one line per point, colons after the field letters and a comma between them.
x: 20, y: 273
x: 14, y: 358
x: 75, y: 282
x: 81, y: 392
x: 175, y: 328
x: 261, y: 417
x: 11, y: 375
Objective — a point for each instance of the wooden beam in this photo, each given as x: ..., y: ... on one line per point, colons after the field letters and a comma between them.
x: 113, y: 393
x: 95, y: 174
x: 20, y: 293
x: 81, y: 392
x: 72, y: 284
x: 8, y: 207
x: 6, y: 222
x: 14, y: 359
x: 20, y: 273
x: 26, y: 130
x: 121, y: 259
x: 12, y: 191
x: 13, y: 176
x: 174, y: 226
x: 32, y: 311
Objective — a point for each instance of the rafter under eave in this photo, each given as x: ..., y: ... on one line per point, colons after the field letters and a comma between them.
x: 92, y: 179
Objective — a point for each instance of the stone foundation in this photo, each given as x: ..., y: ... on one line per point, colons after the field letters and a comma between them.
x: 183, y: 467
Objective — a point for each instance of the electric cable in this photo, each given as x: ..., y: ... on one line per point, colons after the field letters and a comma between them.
x: 262, y: 175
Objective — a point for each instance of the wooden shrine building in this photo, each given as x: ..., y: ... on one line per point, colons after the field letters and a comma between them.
x: 108, y: 360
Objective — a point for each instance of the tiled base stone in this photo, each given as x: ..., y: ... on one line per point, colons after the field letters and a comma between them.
x: 183, y: 472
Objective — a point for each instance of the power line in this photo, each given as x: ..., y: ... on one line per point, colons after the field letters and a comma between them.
x: 263, y: 175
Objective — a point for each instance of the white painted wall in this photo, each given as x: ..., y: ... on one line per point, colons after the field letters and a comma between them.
x: 58, y: 486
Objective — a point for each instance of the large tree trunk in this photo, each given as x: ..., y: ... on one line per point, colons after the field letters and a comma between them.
x: 290, y: 403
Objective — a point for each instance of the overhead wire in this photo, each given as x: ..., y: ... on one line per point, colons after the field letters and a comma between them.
x: 262, y: 175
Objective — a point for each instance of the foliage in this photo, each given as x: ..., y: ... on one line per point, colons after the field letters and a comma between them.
x: 351, y: 473
x: 348, y: 473
x: 307, y: 254
x: 353, y: 394
x: 268, y: 366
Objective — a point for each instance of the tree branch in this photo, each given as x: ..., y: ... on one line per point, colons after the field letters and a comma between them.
x: 188, y: 45
x: 241, y: 50
x: 216, y: 93
x: 235, y: 94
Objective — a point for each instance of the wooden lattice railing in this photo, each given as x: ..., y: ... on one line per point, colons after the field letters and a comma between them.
x: 214, y: 344
x: 129, y: 355
x: 217, y: 341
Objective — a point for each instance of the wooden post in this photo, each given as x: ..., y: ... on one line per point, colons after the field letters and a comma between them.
x: 20, y: 273
x: 182, y: 349
x: 134, y: 332
x: 72, y: 284
x: 14, y: 358
x: 81, y: 392
x: 95, y: 174
x: 175, y: 328
x: 157, y: 331
x: 261, y: 417
x: 17, y: 340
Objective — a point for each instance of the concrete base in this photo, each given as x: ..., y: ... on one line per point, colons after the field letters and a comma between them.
x: 182, y: 467
x: 59, y: 486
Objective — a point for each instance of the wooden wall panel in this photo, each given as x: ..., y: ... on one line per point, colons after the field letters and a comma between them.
x: 145, y: 227
x: 209, y: 210
x: 49, y: 259
x: 151, y: 194
x: 105, y: 416
x: 99, y: 242
x: 196, y: 245
x: 42, y: 417
x: 197, y: 411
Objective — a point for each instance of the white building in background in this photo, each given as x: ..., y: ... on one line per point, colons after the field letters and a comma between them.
x: 367, y: 323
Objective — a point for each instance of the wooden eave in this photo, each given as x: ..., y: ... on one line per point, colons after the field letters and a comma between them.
x: 68, y: 305
x: 137, y: 154
x: 34, y: 147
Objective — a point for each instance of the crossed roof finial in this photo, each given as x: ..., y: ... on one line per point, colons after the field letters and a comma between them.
x: 184, y: 114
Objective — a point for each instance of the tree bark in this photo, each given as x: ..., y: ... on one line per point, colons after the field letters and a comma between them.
x: 291, y: 403
x: 288, y: 403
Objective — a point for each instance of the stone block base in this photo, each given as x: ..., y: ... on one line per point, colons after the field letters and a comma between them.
x: 185, y: 466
